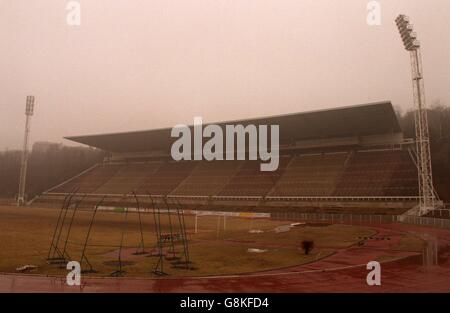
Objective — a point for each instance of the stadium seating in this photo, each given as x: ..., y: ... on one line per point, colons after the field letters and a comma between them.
x: 166, y: 178
x: 311, y: 175
x: 128, y: 178
x: 388, y: 173
x: 208, y: 178
x: 378, y: 173
x: 251, y: 181
x: 90, y: 181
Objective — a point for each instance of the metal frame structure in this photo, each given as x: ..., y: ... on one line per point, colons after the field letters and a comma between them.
x: 29, y: 110
x: 159, y: 267
x: 186, y: 264
x: 176, y: 235
x: 83, y: 253
x: 427, y: 196
x: 69, y: 228
x: 166, y: 242
x: 55, y: 255
x: 120, y: 272
x: 142, y: 244
x: 140, y: 250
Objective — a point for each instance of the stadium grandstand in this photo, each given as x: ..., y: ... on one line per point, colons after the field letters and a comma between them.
x: 351, y: 157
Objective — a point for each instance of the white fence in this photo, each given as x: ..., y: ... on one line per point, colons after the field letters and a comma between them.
x: 425, y: 221
x: 362, y: 218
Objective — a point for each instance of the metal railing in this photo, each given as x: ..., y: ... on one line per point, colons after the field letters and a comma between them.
x: 259, y: 198
x: 335, y: 217
x: 346, y: 218
x: 424, y: 221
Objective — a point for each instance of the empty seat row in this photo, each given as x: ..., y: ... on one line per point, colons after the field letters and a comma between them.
x: 374, y: 173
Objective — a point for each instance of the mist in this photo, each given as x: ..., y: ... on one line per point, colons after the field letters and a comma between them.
x: 143, y: 64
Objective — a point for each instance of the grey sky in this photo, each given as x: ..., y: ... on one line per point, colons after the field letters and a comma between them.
x: 142, y: 64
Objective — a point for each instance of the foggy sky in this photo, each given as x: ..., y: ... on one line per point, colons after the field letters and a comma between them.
x: 143, y: 64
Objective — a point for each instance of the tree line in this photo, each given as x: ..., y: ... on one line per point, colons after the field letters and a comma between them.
x: 46, y: 168
x: 439, y: 129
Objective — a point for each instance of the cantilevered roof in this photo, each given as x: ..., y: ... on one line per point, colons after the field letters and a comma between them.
x: 358, y: 120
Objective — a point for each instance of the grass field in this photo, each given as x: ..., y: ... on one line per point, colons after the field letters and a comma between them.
x: 216, y: 249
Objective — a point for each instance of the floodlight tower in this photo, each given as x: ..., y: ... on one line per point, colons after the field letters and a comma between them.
x: 29, y: 109
x: 427, y: 196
